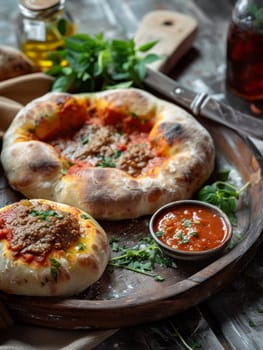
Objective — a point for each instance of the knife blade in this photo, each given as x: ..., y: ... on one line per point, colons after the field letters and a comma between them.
x: 203, y: 105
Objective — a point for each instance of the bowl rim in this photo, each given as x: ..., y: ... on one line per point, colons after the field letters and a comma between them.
x: 178, y: 252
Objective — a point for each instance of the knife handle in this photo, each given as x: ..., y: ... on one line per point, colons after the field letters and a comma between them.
x: 170, y: 89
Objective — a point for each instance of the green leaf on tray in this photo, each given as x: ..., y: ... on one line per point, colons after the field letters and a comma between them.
x: 223, y: 195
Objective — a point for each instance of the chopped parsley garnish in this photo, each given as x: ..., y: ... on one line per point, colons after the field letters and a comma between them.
x: 140, y: 258
x: 55, y: 262
x: 81, y: 246
x: 106, y: 162
x: 179, y: 234
x: 65, y: 166
x: 159, y: 233
x: 84, y: 216
x: 194, y: 234
x: 45, y: 215
x: 182, y: 239
x: 187, y: 223
x: 134, y: 115
x: 54, y: 269
x: 84, y: 140
x: 117, y: 153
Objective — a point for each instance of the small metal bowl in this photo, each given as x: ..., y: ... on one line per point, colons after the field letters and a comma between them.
x: 190, y: 255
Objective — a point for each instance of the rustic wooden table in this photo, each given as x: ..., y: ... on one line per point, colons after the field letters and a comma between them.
x: 232, y: 319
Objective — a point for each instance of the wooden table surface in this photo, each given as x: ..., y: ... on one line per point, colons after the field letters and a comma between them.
x: 232, y: 319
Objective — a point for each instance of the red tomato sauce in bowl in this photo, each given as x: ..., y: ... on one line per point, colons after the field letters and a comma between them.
x: 190, y: 227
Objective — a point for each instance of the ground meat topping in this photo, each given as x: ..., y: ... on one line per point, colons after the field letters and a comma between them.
x: 135, y: 158
x: 37, y: 229
x: 107, y: 146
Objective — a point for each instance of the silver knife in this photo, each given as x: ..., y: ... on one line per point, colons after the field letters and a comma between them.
x: 203, y: 105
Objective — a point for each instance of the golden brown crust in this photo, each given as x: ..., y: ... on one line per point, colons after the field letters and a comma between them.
x: 184, y: 149
x: 60, y: 251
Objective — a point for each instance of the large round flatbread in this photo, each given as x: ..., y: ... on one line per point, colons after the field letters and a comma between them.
x: 116, y: 154
x: 49, y: 249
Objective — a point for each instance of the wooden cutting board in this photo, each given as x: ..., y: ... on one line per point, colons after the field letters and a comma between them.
x: 174, y: 33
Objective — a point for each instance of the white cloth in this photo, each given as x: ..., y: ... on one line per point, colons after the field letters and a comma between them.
x: 23, y: 337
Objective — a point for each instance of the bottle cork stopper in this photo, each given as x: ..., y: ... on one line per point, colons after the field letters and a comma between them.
x: 38, y: 5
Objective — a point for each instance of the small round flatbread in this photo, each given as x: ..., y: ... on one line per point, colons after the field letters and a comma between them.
x: 14, y: 63
x: 116, y: 154
x: 49, y: 249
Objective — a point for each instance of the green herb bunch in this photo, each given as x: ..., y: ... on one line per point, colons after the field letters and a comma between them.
x: 87, y: 64
x: 223, y: 195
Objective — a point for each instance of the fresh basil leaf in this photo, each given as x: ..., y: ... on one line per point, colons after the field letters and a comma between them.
x: 124, y: 85
x: 140, y: 70
x: 223, y: 175
x: 150, y: 58
x: 55, y: 57
x: 63, y: 83
x: 222, y: 194
x: 79, y: 42
x: 67, y: 71
x: 62, y: 26
x: 147, y: 46
x: 55, y: 70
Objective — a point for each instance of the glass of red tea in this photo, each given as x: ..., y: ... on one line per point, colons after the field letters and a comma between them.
x: 244, y: 72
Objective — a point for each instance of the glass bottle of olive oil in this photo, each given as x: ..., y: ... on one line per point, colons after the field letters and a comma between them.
x: 41, y: 26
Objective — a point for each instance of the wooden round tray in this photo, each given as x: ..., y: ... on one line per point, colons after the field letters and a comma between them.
x: 123, y: 298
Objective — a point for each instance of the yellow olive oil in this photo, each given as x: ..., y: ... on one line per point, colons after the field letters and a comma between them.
x: 42, y: 27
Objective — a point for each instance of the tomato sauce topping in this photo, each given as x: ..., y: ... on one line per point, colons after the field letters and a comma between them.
x: 191, y: 228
